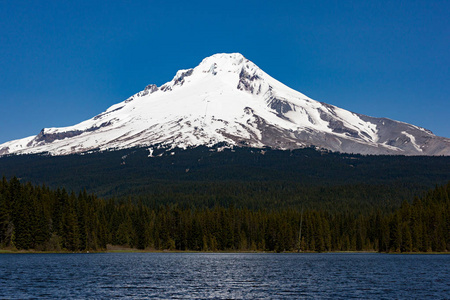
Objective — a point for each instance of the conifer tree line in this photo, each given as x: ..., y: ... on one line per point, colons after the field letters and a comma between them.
x: 36, y: 217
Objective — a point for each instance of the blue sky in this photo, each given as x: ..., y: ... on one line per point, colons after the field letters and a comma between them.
x: 65, y: 61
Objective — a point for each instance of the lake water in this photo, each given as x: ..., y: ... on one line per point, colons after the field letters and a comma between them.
x: 224, y: 276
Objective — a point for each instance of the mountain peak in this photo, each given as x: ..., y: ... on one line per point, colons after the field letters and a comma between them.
x: 229, y: 68
x: 229, y: 100
x: 227, y: 62
x: 234, y: 58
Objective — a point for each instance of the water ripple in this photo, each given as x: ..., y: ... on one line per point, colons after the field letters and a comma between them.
x: 224, y: 276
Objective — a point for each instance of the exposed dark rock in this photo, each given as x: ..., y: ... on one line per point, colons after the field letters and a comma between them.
x: 245, y: 81
x: 212, y: 70
x: 329, y: 107
x: 337, y: 126
x: 50, y: 137
x: 166, y: 88
x: 325, y: 116
x: 4, y: 151
x: 129, y: 99
x: 366, y: 134
x: 281, y: 106
x: 180, y: 79
x: 248, y: 111
x: 108, y: 112
x: 245, y: 75
x: 151, y: 88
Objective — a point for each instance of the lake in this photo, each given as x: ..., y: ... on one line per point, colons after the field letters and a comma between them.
x: 224, y: 276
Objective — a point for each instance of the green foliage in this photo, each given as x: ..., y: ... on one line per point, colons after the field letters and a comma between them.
x: 39, y: 218
x: 245, y: 177
x: 34, y: 217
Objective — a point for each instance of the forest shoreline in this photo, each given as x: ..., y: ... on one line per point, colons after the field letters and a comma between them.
x: 133, y: 250
x: 37, y: 219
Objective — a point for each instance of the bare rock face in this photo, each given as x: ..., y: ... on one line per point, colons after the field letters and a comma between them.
x: 151, y: 88
x: 50, y: 137
x: 228, y: 100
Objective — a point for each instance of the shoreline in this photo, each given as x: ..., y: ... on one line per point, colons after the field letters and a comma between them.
x: 131, y: 250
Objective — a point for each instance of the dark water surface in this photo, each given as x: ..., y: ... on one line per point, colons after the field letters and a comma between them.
x: 224, y: 276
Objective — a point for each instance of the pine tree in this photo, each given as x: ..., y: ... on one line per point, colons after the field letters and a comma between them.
x: 70, y: 229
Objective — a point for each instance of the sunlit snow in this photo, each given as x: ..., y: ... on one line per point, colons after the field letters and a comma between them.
x: 226, y: 98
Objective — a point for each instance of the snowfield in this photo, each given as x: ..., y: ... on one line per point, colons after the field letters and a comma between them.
x: 227, y: 98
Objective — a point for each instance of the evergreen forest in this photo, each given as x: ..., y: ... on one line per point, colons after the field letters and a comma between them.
x: 257, y: 179
x: 45, y: 219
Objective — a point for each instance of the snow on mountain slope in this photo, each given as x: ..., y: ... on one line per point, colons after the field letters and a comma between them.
x: 227, y: 98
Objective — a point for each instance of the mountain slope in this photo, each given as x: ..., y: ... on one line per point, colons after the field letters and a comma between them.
x: 228, y: 99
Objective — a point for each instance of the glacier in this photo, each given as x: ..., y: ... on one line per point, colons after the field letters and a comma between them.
x: 228, y: 99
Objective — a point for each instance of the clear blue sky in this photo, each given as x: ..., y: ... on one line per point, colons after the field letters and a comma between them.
x: 65, y: 61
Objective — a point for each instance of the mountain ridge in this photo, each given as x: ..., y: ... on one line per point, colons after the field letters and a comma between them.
x: 228, y: 99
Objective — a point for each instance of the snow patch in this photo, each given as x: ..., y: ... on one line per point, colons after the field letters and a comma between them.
x: 413, y: 140
x: 225, y: 99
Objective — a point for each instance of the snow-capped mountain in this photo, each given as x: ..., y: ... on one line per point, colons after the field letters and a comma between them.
x: 228, y: 99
